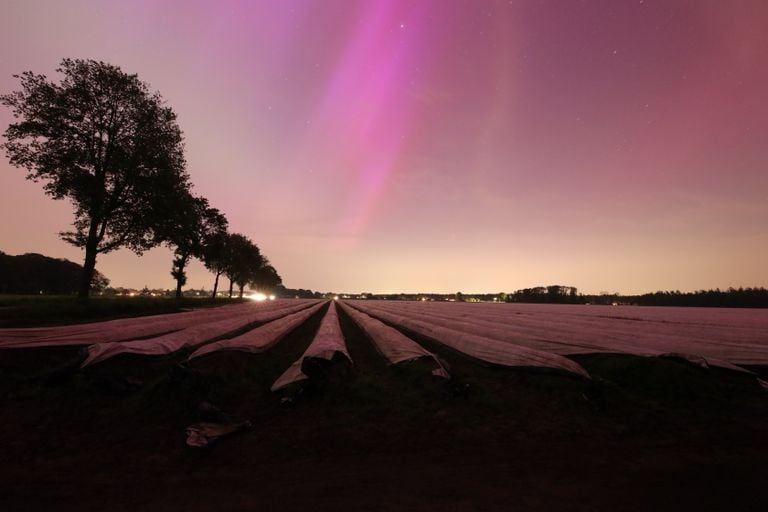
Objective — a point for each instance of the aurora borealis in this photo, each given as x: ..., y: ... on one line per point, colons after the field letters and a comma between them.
x: 439, y: 145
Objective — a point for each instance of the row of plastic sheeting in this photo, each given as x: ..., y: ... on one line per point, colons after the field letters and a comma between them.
x: 474, y: 345
x: 736, y: 335
x: 391, y: 343
x: 714, y: 337
x: 261, y: 338
x: 194, y: 335
x: 216, y: 330
x: 327, y: 344
x: 115, y: 330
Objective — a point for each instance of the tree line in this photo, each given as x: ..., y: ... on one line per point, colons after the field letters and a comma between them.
x: 730, y: 298
x: 102, y: 140
x: 37, y: 274
x: 558, y: 294
x: 552, y: 294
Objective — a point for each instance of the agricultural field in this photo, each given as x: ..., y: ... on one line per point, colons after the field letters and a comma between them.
x: 378, y: 405
x: 39, y: 310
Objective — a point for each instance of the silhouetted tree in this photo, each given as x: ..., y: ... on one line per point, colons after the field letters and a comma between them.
x: 215, y: 256
x: 100, y: 139
x: 553, y: 294
x: 99, y: 282
x: 266, y: 279
x: 299, y: 293
x: 243, y: 261
x: 186, y: 226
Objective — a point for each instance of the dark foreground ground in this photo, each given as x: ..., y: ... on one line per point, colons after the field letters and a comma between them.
x: 647, y: 434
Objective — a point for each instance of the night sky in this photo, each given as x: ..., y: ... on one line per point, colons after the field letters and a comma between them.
x: 439, y: 145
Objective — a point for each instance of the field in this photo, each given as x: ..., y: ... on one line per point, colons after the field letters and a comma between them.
x: 36, y: 310
x: 641, y: 432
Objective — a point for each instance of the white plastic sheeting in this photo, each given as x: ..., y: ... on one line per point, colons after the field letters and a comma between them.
x: 195, y: 334
x: 114, y: 330
x: 479, y: 347
x: 723, y: 337
x: 497, y: 330
x: 390, y: 342
x: 260, y: 338
x: 328, y: 342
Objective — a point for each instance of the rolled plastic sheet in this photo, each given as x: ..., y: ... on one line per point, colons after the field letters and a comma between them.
x: 722, y: 336
x: 328, y: 342
x: 261, y: 338
x: 479, y: 347
x: 395, y: 346
x: 114, y: 330
x: 194, y: 335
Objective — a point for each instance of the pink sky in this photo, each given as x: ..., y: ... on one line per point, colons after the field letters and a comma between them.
x: 439, y: 145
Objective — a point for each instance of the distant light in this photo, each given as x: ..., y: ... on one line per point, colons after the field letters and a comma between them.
x: 336, y: 298
x: 257, y: 296
x: 271, y: 297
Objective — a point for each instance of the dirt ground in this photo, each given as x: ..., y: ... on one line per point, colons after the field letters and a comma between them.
x: 644, y: 434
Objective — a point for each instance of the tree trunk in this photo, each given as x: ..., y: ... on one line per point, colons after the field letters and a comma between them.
x: 88, y: 267
x: 231, y: 285
x: 215, y: 285
x: 91, y: 246
x: 241, y: 291
x: 177, y: 271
